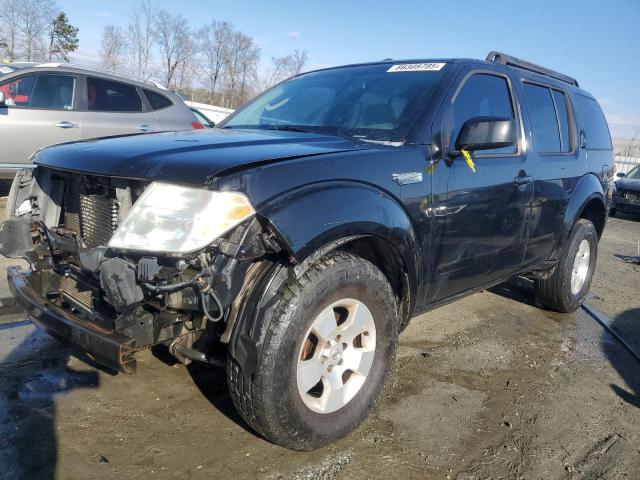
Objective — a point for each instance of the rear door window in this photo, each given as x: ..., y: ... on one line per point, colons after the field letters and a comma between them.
x: 594, y: 124
x: 47, y: 92
x: 109, y: 96
x: 482, y: 95
x: 542, y: 114
x: 157, y: 100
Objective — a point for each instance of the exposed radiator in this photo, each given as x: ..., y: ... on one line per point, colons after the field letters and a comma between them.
x: 75, y: 291
x: 98, y: 219
x: 94, y: 216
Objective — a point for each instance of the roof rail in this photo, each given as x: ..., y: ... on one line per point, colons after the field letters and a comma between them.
x: 100, y: 70
x: 512, y: 61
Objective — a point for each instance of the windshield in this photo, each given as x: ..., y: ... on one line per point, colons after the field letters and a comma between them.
x: 368, y: 102
x: 634, y: 173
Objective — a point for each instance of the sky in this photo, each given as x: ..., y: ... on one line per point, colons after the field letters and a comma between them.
x: 594, y: 41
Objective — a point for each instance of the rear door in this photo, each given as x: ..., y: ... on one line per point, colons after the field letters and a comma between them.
x: 115, y: 108
x: 40, y: 110
x: 558, y: 162
x: 482, y: 218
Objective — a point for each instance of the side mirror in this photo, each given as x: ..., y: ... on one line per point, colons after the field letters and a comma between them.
x: 2, y: 101
x: 621, y: 174
x: 486, y: 133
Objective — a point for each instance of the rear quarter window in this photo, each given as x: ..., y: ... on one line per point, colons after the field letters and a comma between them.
x: 594, y: 124
x: 157, y: 100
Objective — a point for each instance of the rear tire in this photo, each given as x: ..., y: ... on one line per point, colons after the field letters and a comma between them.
x: 566, y: 288
x: 612, y: 212
x: 279, y: 402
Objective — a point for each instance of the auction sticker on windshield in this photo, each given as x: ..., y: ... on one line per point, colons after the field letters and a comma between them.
x: 417, y: 67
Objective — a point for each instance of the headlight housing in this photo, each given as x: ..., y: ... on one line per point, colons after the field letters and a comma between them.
x: 179, y: 220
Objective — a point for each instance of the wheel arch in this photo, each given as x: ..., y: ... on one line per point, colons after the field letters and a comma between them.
x: 373, y: 227
x: 370, y: 222
x: 588, y: 202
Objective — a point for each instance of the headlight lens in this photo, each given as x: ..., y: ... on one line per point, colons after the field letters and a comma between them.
x: 170, y: 218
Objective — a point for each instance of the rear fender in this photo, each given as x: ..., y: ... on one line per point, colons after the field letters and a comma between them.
x: 588, y: 188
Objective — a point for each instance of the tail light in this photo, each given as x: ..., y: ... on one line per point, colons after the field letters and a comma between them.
x: 197, y: 125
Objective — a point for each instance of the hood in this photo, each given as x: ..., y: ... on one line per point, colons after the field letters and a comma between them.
x: 190, y: 158
x: 628, y: 184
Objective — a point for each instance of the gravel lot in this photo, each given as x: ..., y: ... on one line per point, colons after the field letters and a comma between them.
x: 487, y: 387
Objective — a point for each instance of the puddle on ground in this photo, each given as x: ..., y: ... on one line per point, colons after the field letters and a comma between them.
x: 44, y: 385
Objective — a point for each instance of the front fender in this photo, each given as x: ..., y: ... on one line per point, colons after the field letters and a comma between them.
x: 317, y: 215
x: 311, y: 221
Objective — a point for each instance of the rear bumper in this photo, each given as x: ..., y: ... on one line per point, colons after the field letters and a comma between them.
x: 106, y: 347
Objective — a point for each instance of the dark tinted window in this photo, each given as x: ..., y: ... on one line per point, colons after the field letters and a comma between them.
x: 594, y: 124
x: 482, y: 96
x: 156, y: 100
x: 542, y: 114
x: 40, y: 91
x: 109, y: 96
x: 563, y: 120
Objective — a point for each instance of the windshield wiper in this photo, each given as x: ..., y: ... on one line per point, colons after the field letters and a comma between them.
x: 290, y: 128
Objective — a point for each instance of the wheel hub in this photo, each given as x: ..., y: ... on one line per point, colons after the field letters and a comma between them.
x: 580, y: 269
x: 336, y: 356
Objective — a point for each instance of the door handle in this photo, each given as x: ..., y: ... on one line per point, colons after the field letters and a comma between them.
x: 146, y: 128
x: 523, y: 180
x: 66, y: 124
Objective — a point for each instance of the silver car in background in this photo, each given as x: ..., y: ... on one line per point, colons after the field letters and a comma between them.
x: 49, y: 103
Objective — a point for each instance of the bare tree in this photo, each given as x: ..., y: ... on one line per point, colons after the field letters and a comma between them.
x: 11, y: 19
x: 287, y: 66
x: 299, y: 59
x: 175, y: 43
x: 34, y: 17
x: 214, y: 45
x: 113, y: 49
x: 140, y: 36
x: 240, y: 66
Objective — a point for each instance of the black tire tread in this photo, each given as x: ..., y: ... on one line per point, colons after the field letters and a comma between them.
x: 552, y: 292
x: 243, y: 389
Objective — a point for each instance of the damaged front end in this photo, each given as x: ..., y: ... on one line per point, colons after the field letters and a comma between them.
x: 104, y: 274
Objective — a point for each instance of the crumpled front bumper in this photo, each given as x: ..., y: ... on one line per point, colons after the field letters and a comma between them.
x: 631, y: 205
x: 106, y: 347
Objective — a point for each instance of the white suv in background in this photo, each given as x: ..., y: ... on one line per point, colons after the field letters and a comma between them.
x: 45, y: 104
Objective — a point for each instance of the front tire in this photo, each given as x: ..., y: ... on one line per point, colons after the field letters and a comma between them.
x: 328, y: 349
x: 566, y: 288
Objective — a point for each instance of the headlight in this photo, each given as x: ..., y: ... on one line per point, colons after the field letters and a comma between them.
x: 169, y: 218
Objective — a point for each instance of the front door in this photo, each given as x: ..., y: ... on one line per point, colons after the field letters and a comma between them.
x: 39, y: 110
x: 481, y: 218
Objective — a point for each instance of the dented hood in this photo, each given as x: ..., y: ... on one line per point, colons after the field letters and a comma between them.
x: 190, y: 158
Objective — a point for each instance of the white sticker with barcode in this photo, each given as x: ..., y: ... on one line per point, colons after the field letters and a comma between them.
x: 416, y: 67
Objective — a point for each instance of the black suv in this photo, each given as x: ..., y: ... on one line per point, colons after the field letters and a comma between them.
x: 304, y: 232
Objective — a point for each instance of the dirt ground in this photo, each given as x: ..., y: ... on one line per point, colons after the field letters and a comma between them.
x: 487, y: 387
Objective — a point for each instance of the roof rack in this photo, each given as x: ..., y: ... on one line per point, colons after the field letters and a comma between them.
x: 512, y: 61
x: 100, y: 70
